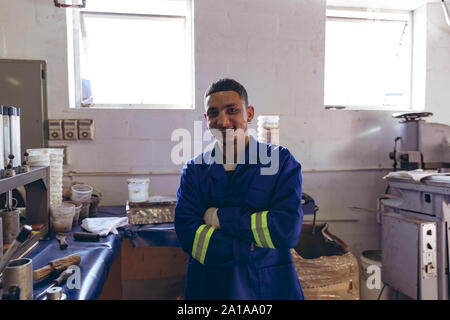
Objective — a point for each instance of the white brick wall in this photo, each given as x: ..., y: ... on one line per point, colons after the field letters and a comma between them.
x: 276, y: 49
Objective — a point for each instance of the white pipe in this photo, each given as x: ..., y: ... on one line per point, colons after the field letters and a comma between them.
x: 177, y: 172
x: 446, y: 12
x: 118, y: 173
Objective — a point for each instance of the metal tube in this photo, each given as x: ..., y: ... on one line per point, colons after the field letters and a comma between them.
x: 10, y: 200
x: 446, y: 12
x: 11, y: 224
x: 20, y: 273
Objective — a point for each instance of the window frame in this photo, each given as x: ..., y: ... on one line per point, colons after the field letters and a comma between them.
x: 189, y: 37
x: 375, y: 15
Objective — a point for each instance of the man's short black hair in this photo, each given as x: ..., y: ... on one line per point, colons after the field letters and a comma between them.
x: 228, y: 85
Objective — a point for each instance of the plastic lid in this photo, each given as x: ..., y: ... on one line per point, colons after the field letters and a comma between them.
x: 82, y: 188
x: 5, y: 110
x: 138, y: 180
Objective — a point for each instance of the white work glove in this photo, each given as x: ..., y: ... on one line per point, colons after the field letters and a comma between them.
x: 103, y: 226
x: 211, y: 217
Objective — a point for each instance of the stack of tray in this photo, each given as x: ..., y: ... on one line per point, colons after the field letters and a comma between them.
x: 157, y: 209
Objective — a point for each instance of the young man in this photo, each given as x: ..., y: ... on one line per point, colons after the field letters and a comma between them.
x: 239, y: 208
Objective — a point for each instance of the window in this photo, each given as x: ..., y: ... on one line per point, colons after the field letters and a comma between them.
x: 368, y: 59
x: 134, y: 54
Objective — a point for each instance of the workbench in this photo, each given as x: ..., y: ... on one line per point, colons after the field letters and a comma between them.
x: 152, y: 264
x: 96, y: 261
x: 148, y: 264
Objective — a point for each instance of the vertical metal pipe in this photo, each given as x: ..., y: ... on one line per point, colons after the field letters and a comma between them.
x: 446, y: 12
x: 10, y: 200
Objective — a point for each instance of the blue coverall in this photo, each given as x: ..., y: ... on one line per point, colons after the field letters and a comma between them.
x: 260, y: 220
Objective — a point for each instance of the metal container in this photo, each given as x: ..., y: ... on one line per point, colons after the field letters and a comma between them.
x: 55, y: 293
x: 157, y: 209
x: 11, y: 224
x: 19, y: 272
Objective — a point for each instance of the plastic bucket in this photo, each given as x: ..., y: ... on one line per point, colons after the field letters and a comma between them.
x: 370, y: 277
x: 39, y: 158
x: 81, y: 192
x: 76, y: 215
x: 45, y: 151
x: 84, y: 212
x: 138, y: 189
x: 268, y: 129
x: 62, y: 217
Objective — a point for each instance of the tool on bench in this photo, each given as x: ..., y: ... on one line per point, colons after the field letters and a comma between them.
x: 57, y: 265
x: 77, y: 236
x: 55, y: 293
x: 57, y: 282
x: 21, y: 238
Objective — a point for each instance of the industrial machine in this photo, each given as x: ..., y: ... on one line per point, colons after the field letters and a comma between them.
x: 423, y: 145
x: 414, y: 237
x: 415, y: 213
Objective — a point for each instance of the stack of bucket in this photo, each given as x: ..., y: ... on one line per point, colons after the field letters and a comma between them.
x: 81, y: 195
x: 268, y: 129
x: 52, y: 157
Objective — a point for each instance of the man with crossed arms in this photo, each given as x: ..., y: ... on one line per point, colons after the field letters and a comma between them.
x: 235, y: 216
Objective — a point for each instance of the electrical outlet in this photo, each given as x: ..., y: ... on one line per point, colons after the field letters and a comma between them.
x: 55, y: 131
x: 70, y: 129
x: 85, y: 129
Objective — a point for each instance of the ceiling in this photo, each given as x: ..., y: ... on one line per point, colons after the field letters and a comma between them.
x: 382, y: 4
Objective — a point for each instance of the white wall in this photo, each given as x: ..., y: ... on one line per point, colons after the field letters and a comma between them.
x: 438, y: 64
x: 276, y: 49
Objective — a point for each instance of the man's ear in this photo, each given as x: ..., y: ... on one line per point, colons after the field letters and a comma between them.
x: 250, y: 113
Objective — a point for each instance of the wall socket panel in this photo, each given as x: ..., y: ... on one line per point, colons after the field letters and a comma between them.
x: 71, y: 129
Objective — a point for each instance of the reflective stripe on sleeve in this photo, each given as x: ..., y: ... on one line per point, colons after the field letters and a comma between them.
x: 255, y: 230
x: 265, y: 228
x: 260, y: 230
x: 201, y: 242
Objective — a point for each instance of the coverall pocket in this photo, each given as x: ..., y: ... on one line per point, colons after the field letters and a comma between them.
x: 280, y: 283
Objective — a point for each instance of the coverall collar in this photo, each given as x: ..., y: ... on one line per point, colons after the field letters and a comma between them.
x: 250, y: 156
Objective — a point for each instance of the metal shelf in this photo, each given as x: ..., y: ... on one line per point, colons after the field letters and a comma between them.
x: 37, y: 187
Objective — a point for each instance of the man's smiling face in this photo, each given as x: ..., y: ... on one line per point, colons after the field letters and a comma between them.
x: 227, y: 116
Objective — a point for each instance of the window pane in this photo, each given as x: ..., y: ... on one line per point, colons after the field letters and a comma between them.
x: 161, y: 7
x: 136, y: 60
x: 367, y: 63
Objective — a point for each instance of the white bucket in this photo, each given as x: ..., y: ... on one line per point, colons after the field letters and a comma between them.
x: 77, y: 211
x: 81, y: 192
x: 370, y: 277
x: 138, y: 189
x: 268, y: 129
x: 62, y: 217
